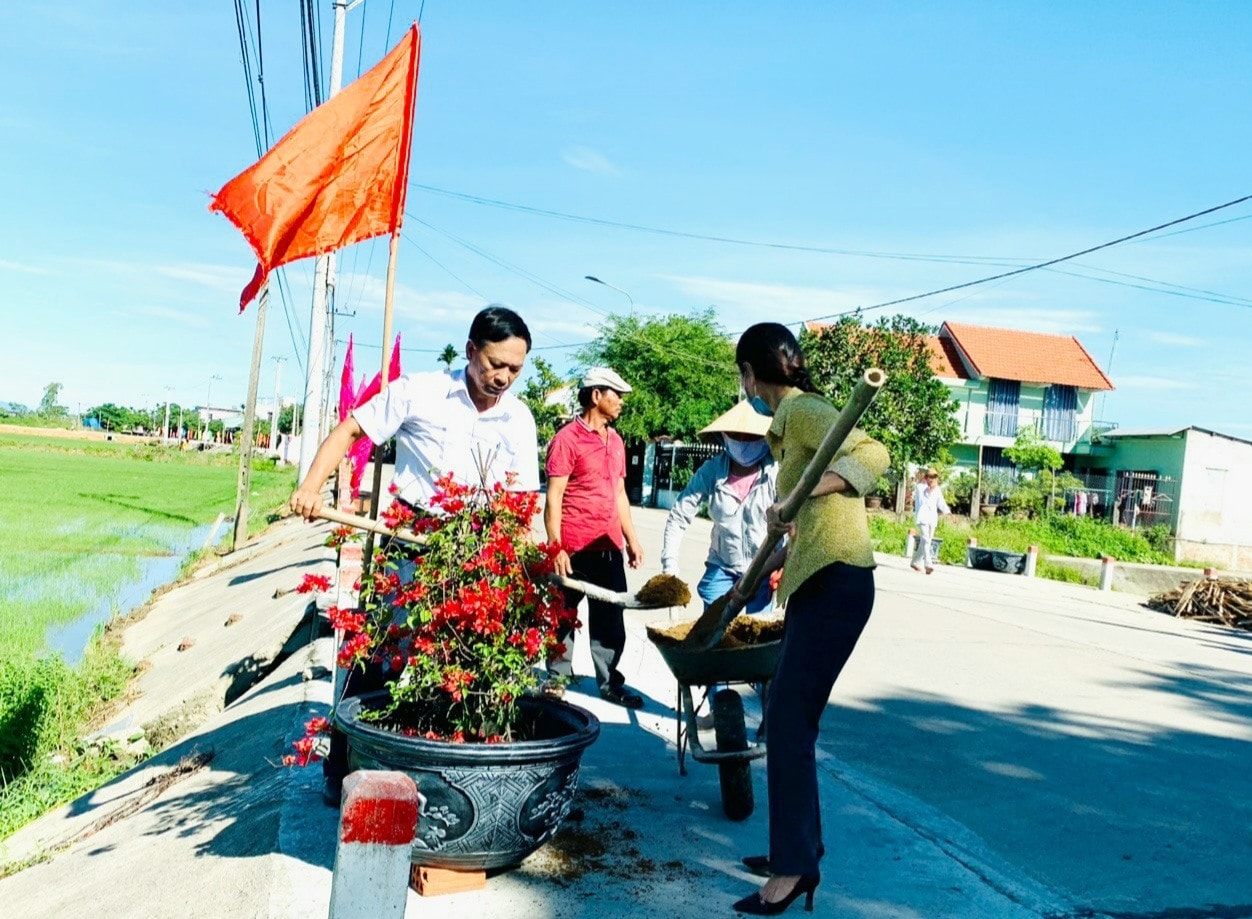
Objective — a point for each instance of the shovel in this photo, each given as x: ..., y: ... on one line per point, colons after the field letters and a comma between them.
x: 624, y: 599
x: 711, y: 626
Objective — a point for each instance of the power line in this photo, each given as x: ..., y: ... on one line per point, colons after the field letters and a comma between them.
x: 1037, y: 266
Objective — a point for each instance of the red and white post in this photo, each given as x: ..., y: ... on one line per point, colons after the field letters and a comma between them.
x: 972, y: 544
x: 376, y: 827
x: 1032, y: 561
x: 910, y: 544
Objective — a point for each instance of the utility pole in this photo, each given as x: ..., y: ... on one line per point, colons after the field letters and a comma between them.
x: 208, y: 407
x: 165, y: 429
x: 314, y: 425
x: 278, y: 369
x: 244, y: 490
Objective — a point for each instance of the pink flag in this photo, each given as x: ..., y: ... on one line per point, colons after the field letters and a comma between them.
x: 359, y: 452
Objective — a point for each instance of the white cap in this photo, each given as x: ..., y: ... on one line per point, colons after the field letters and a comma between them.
x: 604, y: 378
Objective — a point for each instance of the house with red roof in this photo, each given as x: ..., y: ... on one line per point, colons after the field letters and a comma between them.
x: 1005, y: 380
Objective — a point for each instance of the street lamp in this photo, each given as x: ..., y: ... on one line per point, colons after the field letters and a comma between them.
x: 595, y: 280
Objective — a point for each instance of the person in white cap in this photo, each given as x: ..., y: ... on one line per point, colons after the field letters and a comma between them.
x: 588, y: 515
x: 739, y: 486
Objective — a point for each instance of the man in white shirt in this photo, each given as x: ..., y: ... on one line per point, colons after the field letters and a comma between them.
x: 465, y: 422
x: 928, y: 504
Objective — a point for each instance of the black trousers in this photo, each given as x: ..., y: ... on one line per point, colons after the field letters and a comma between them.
x: 825, y: 618
x: 605, y: 625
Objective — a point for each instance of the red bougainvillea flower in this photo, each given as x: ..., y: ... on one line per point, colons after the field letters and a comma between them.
x: 313, y: 582
x: 461, y: 625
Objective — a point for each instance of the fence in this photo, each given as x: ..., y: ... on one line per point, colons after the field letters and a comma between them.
x: 1131, y: 499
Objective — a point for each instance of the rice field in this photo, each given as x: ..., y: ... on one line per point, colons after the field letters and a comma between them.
x: 81, y: 520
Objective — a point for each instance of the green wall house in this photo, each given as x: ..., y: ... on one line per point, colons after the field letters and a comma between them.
x: 1211, y: 511
x: 1005, y: 380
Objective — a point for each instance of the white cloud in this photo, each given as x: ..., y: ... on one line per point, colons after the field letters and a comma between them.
x: 1152, y: 383
x: 161, y: 312
x: 1181, y: 341
x: 779, y: 301
x: 1026, y: 319
x: 6, y: 265
x: 589, y: 160
x: 228, y: 279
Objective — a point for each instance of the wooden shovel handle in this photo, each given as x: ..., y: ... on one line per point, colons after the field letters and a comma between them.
x: 374, y: 526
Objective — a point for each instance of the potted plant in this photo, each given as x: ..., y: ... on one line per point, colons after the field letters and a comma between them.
x: 462, y: 626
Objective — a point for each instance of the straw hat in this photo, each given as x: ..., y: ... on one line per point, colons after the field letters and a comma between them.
x: 742, y: 419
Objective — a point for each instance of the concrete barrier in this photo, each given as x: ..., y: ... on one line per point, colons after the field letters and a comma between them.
x: 377, y: 823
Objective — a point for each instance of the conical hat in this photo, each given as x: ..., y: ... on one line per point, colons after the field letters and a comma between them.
x: 742, y: 419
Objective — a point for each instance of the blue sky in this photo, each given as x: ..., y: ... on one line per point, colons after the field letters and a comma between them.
x: 994, y: 132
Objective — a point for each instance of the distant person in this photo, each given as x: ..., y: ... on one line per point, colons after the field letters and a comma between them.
x: 739, y: 486
x: 587, y: 514
x: 928, y: 504
x: 464, y: 422
x: 828, y: 586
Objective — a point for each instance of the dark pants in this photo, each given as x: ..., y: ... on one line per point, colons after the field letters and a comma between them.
x: 825, y: 617
x: 605, y: 625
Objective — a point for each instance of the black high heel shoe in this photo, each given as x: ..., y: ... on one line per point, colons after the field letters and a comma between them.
x: 753, y: 905
x: 759, y: 864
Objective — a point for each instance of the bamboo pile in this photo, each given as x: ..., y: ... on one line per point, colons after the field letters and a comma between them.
x: 1224, y: 600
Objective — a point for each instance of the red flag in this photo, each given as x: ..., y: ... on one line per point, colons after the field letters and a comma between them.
x: 338, y: 177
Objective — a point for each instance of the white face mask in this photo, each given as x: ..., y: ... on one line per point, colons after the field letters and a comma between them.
x: 746, y: 452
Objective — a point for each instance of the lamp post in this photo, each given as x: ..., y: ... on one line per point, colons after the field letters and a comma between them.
x: 208, y: 407
x: 595, y: 280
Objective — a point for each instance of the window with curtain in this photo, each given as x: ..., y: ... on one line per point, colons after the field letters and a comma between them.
x: 1003, y: 397
x: 1060, y: 413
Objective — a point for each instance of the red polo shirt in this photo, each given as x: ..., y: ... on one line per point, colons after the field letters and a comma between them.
x: 595, y: 466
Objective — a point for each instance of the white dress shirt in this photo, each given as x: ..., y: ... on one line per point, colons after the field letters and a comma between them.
x: 438, y: 429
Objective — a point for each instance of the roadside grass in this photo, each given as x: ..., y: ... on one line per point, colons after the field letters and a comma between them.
x: 80, y: 520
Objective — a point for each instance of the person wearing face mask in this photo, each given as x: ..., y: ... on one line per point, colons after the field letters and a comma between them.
x: 739, y: 486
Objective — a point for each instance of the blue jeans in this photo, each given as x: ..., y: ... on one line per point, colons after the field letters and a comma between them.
x: 717, y: 581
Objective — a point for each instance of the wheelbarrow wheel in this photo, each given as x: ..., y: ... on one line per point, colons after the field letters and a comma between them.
x: 734, y: 775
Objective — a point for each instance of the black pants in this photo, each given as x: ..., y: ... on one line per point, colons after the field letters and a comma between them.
x: 825, y: 617
x: 359, y: 682
x: 605, y: 626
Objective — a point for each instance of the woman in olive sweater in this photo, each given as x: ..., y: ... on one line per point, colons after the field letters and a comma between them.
x: 828, y: 585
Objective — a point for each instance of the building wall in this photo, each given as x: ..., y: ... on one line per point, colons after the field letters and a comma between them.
x: 1215, y: 506
x: 971, y: 414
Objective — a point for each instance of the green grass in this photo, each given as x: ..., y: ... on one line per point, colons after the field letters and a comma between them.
x: 45, y: 709
x: 81, y: 516
x: 79, y: 519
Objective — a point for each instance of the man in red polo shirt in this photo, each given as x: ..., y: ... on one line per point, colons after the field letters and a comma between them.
x: 588, y: 515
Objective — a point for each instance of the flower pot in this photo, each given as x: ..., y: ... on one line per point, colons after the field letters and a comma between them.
x: 873, y: 502
x: 987, y: 510
x: 486, y: 805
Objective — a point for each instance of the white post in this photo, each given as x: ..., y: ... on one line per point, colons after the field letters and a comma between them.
x: 377, y: 823
x: 969, y: 556
x: 1032, y: 561
x: 910, y: 544
x: 1106, y: 572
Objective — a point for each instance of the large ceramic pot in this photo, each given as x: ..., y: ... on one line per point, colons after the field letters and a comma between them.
x: 486, y: 805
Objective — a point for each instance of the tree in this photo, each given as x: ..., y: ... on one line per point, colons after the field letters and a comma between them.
x: 542, y: 384
x: 448, y: 355
x: 681, y: 368
x: 1031, y: 453
x: 48, y: 407
x: 287, y: 416
x: 111, y: 417
x: 913, y: 415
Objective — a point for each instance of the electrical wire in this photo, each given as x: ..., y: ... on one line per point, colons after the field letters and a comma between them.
x: 1037, y: 266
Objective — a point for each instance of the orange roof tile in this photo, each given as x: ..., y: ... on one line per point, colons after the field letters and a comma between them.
x: 1031, y: 357
x: 945, y: 360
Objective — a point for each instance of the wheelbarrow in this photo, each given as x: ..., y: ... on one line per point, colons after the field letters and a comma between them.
x: 709, y: 668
